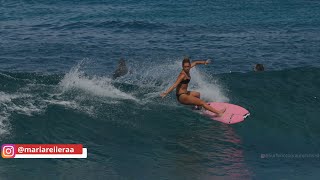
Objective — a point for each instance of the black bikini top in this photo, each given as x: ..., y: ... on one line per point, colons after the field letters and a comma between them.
x: 186, y: 81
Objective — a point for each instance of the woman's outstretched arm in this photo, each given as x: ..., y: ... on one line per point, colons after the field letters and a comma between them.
x: 179, y: 79
x: 194, y: 63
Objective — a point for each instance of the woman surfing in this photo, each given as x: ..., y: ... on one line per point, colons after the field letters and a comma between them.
x: 189, y: 97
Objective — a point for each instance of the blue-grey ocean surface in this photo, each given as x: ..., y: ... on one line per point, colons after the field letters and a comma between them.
x: 56, y: 64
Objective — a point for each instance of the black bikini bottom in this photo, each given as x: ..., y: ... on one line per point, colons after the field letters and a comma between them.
x: 178, y: 95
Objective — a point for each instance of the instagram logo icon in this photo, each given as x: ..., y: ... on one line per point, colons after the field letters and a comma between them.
x: 7, y: 151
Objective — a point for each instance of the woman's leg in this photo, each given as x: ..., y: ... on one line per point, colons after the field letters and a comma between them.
x: 191, y: 100
x: 195, y: 94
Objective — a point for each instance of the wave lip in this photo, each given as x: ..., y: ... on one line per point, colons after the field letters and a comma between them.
x: 15, y: 103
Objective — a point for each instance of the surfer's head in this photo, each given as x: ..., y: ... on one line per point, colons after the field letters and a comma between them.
x: 258, y: 67
x: 186, y: 65
x: 122, y: 62
x: 121, y: 69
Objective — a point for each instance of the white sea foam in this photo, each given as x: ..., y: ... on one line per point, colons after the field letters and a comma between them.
x: 96, y: 86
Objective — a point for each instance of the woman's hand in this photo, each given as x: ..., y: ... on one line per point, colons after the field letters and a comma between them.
x: 207, y: 61
x: 163, y: 94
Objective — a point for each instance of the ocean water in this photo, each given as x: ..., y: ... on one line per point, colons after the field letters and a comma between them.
x: 56, y: 63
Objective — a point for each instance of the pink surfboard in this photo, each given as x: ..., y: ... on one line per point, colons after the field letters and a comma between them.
x: 233, y: 114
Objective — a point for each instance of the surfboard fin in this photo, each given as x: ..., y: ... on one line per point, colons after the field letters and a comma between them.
x: 246, y: 115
